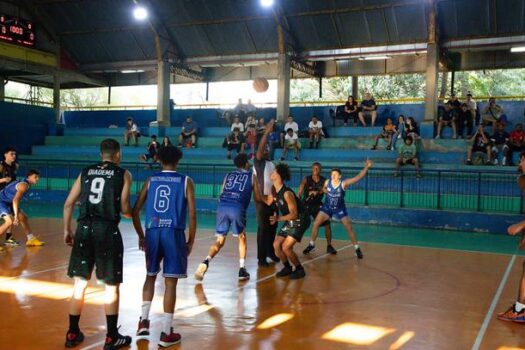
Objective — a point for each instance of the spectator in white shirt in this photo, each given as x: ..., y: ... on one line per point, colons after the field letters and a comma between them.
x: 315, y: 131
x: 132, y: 131
x: 291, y: 141
x: 290, y: 124
x: 237, y: 125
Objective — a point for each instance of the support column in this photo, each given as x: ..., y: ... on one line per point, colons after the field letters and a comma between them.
x: 453, y: 83
x: 355, y: 87
x: 56, y: 96
x: 163, y: 93
x: 431, y: 89
x: 283, y: 87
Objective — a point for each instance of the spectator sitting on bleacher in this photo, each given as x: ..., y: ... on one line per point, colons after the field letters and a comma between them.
x: 188, y: 133
x: 412, y: 129
x: 261, y: 126
x: 132, y: 131
x: 250, y: 109
x: 455, y: 103
x: 290, y: 124
x: 166, y: 142
x: 351, y: 111
x: 516, y: 142
x: 492, y: 113
x: 240, y: 110
x: 407, y: 154
x: 447, y: 117
x: 251, y: 138
x: 237, y: 125
x: 291, y: 141
x: 368, y: 107
x: 465, y: 118
x: 315, y: 132
x: 481, y: 144
x: 400, y: 131
x: 151, y: 150
x: 234, y: 142
x: 472, y: 107
x: 250, y: 121
x: 500, y: 143
x: 388, y: 133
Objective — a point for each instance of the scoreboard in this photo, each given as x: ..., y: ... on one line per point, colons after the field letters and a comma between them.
x: 15, y: 30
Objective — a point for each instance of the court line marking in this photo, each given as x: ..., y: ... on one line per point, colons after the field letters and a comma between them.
x: 245, y: 285
x: 495, y: 300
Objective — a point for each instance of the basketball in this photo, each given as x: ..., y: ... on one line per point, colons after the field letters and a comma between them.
x: 260, y: 84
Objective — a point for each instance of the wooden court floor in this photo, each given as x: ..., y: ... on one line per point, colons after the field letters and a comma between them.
x: 397, y: 297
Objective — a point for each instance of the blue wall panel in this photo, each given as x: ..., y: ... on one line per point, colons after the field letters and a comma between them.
x: 24, y: 125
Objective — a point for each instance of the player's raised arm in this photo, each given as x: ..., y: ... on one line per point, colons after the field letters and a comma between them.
x: 125, y: 206
x: 264, y: 140
x: 136, y: 213
x: 362, y: 174
x: 192, y: 213
x: 69, y: 205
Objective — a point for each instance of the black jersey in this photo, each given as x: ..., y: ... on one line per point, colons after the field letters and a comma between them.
x: 311, y: 185
x: 101, y: 188
x: 7, y: 170
x: 280, y: 201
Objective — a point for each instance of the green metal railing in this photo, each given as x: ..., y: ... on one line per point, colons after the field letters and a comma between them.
x: 457, y: 190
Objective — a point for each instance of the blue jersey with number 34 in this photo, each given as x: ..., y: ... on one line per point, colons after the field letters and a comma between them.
x: 237, y: 189
x: 166, y: 201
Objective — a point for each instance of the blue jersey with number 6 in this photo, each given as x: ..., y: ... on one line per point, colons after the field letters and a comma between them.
x: 166, y: 201
x: 237, y: 188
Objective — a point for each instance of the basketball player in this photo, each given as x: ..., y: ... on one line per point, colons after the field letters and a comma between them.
x: 516, y: 312
x: 8, y: 170
x: 296, y: 222
x: 334, y: 205
x: 10, y: 198
x: 231, y: 213
x: 169, y: 198
x: 311, y: 193
x: 103, y: 190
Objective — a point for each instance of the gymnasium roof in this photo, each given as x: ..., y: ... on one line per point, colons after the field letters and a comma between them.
x: 100, y: 38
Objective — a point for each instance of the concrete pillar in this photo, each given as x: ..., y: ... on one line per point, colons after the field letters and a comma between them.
x: 431, y: 89
x: 283, y: 86
x: 56, y: 96
x: 163, y: 93
x: 355, y: 87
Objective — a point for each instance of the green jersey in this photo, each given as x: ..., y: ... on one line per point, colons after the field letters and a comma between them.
x: 408, y: 152
x: 101, y: 188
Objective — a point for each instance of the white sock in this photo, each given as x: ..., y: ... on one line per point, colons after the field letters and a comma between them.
x: 519, y: 306
x: 30, y: 236
x: 312, y: 243
x: 166, y: 323
x: 146, y: 306
x: 241, y: 262
x: 356, y: 246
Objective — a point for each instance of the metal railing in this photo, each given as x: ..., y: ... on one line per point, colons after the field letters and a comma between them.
x: 456, y: 190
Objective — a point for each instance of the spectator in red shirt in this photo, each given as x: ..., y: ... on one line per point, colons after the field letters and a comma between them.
x: 516, y: 142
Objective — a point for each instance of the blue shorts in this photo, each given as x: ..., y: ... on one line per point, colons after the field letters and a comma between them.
x: 334, y: 213
x: 6, y: 209
x: 169, y: 246
x: 230, y: 216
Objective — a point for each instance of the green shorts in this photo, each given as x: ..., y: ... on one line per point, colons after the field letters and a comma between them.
x: 97, y: 243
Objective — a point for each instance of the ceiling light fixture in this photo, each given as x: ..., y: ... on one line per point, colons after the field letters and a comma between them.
x: 140, y: 13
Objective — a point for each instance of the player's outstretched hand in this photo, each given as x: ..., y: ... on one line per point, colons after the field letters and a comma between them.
x: 368, y: 164
x: 513, y: 230
x: 68, y: 238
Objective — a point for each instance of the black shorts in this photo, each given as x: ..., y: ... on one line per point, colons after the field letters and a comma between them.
x: 295, y: 228
x: 150, y: 155
x: 97, y: 243
x: 313, y: 213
